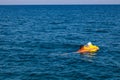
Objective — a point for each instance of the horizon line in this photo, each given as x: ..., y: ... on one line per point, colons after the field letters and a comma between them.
x: 61, y: 4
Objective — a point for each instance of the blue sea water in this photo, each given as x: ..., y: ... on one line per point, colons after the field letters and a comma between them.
x: 39, y: 42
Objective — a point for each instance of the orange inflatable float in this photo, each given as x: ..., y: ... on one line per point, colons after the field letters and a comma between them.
x: 89, y: 48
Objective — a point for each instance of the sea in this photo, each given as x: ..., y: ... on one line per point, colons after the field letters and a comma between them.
x: 39, y: 42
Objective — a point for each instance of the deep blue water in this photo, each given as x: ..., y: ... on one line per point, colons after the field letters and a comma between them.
x: 38, y: 42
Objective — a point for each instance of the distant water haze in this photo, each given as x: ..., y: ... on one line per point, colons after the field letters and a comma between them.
x: 2, y: 2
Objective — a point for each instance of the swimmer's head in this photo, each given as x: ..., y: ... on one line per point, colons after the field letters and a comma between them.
x: 89, y: 43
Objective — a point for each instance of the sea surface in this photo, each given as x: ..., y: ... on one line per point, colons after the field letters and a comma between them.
x: 39, y: 42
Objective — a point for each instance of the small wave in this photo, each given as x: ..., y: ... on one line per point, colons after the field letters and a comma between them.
x: 103, y: 23
x: 102, y: 31
x: 56, y: 23
x: 74, y: 55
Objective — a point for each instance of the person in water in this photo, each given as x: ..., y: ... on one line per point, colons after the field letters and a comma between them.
x: 89, y: 48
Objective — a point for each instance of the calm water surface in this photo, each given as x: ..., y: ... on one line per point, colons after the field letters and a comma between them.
x: 38, y: 42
